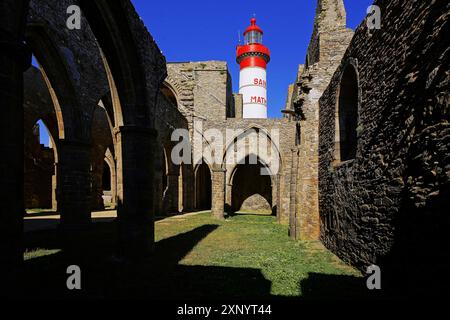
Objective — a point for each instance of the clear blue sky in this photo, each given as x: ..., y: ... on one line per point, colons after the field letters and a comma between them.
x: 208, y: 30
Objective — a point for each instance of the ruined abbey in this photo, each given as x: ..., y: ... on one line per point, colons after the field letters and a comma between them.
x: 361, y: 153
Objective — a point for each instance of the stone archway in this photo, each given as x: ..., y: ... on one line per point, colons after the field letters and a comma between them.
x: 347, y: 115
x: 203, y: 187
x: 135, y: 72
x: 247, y: 148
x: 250, y: 190
x: 39, y: 167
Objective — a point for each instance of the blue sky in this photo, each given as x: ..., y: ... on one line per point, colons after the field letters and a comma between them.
x: 208, y: 30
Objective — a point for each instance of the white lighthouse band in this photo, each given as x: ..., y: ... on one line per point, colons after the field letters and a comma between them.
x: 253, y: 87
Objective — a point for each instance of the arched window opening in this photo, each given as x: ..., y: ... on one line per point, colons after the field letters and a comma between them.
x: 203, y: 187
x: 347, y: 116
x: 169, y: 94
x: 34, y: 61
x: 251, y: 191
x: 39, y: 167
x: 41, y: 133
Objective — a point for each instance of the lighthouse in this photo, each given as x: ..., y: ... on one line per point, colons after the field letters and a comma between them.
x: 253, y: 57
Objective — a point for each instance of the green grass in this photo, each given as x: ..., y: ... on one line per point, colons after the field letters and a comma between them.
x: 195, y: 257
x: 38, y: 253
x: 257, y: 242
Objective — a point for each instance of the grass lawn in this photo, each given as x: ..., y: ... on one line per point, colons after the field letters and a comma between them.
x: 196, y: 256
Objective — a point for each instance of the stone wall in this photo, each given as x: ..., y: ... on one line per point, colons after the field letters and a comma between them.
x: 327, y: 46
x: 386, y: 206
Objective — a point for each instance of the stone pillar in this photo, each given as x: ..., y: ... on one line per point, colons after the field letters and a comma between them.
x: 55, y: 188
x: 172, y: 192
x: 228, y: 197
x: 110, y: 161
x: 293, y: 228
x: 218, y: 192
x: 135, y: 169
x: 188, y: 189
x: 74, y: 185
x: 14, y: 60
x: 275, y: 202
x: 278, y: 201
x: 113, y: 186
x: 97, y: 202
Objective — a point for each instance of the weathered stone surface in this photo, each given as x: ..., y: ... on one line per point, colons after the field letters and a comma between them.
x: 389, y: 202
x: 327, y: 46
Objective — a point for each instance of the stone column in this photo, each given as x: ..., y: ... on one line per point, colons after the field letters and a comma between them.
x: 113, y: 187
x: 188, y: 189
x: 228, y: 197
x: 293, y: 228
x: 74, y: 185
x: 279, y: 209
x: 14, y: 60
x: 135, y: 169
x: 218, y: 192
x: 97, y: 202
x: 275, y: 195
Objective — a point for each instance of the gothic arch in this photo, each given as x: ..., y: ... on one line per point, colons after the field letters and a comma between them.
x: 177, y: 90
x: 174, y: 86
x: 249, y: 189
x: 56, y: 76
x: 348, y: 97
x: 203, y: 186
x: 242, y: 135
x: 123, y: 61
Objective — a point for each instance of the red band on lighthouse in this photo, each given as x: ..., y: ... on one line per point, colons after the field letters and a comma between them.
x: 253, y: 62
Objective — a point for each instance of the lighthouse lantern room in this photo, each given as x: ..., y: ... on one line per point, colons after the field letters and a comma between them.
x: 253, y: 57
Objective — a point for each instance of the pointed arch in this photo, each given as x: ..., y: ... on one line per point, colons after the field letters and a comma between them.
x: 56, y: 76
x: 232, y: 143
x: 347, y: 105
x: 123, y: 61
x: 251, y: 191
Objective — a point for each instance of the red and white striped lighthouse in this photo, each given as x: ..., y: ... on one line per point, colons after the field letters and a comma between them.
x: 253, y: 57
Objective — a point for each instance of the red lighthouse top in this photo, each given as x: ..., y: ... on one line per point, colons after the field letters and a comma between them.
x: 253, y: 27
x: 253, y: 53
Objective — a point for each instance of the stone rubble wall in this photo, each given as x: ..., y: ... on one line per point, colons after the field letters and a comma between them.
x: 390, y: 201
x: 326, y: 49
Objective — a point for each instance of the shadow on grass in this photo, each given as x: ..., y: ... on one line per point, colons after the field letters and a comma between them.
x: 158, y: 276
x: 337, y: 287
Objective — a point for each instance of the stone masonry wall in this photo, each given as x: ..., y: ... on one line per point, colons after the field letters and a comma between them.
x: 387, y: 205
x: 327, y: 46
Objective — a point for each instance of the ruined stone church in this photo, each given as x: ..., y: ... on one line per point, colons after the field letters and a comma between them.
x: 363, y: 148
